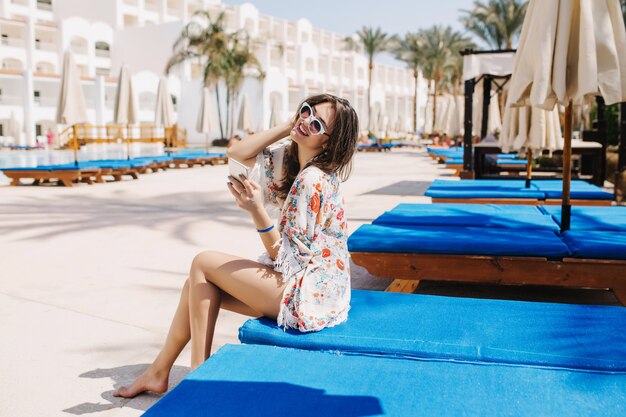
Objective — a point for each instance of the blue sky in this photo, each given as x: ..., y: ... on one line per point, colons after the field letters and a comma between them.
x: 348, y: 16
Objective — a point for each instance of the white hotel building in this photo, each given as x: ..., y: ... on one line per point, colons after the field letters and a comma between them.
x: 297, y: 58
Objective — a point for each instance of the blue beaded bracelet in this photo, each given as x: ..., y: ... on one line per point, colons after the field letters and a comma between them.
x: 265, y: 230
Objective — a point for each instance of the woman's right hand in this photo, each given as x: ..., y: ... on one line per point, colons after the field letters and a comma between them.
x: 247, y: 193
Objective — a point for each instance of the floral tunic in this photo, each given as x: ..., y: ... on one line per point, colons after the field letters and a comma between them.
x: 313, y: 254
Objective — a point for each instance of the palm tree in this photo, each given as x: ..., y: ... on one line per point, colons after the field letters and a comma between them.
x: 497, y: 22
x: 374, y: 41
x: 442, y: 45
x: 410, y: 49
x: 204, y: 40
x: 238, y: 57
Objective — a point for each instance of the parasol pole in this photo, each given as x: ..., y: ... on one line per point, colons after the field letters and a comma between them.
x: 529, y: 166
x: 128, y: 135
x: 75, y: 145
x: 206, y: 142
x: 566, y: 208
x: 621, y: 155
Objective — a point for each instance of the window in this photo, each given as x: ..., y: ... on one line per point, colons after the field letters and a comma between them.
x: 37, y: 129
x: 103, y: 71
x: 102, y: 49
x: 37, y: 95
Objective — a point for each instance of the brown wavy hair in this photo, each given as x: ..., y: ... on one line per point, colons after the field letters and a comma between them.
x: 336, y: 158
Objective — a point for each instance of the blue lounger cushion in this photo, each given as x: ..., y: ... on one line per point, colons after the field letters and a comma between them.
x: 521, y: 193
x: 192, y: 155
x: 456, y: 241
x: 120, y: 163
x: 267, y: 381
x: 578, y: 190
x: 509, y: 161
x: 478, y: 215
x: 472, y: 185
x: 592, y: 217
x: 594, y: 244
x: 465, y: 329
x: 454, y: 161
x: 57, y: 167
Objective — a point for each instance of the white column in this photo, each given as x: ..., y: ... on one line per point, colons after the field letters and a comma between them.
x: 141, y: 15
x: 162, y: 10
x: 99, y: 98
x: 184, y: 15
x: 29, y: 41
x: 28, y: 103
x: 4, y: 8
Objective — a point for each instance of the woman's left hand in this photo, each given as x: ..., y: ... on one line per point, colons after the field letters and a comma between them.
x: 247, y: 193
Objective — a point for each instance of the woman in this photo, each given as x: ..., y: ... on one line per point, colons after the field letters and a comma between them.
x: 303, y: 281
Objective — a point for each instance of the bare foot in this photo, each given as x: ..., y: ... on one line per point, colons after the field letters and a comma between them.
x: 149, y: 380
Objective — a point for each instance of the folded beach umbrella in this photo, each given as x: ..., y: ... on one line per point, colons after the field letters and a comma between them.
x: 428, y: 116
x: 14, y: 129
x: 125, y: 110
x: 532, y: 128
x: 400, y: 127
x: 204, y: 117
x: 569, y: 49
x: 164, y: 112
x: 443, y: 102
x: 275, y: 118
x: 244, y: 121
x: 71, y: 108
x: 453, y: 120
x: 494, y: 119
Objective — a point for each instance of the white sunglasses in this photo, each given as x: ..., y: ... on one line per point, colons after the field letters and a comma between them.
x: 316, y: 127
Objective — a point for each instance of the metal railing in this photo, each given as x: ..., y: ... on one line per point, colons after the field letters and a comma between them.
x: 82, y: 134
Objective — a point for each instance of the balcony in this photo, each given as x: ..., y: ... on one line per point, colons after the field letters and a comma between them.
x: 103, y: 53
x: 46, y: 101
x: 13, y: 42
x: 45, y: 46
x: 10, y: 100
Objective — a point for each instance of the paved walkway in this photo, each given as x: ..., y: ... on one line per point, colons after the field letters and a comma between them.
x: 90, y: 276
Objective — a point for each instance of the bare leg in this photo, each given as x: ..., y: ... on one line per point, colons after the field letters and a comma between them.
x: 155, y: 378
x: 214, y: 275
x: 205, y: 300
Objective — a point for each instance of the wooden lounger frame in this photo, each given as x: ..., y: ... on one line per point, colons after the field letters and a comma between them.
x: 407, y: 269
x: 521, y: 201
x: 65, y: 177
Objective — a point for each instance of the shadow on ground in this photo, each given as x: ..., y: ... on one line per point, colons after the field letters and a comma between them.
x: 402, y: 188
x: 124, y: 375
x: 180, y: 212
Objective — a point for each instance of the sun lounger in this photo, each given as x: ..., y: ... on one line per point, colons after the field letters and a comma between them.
x: 156, y: 162
x: 189, y: 159
x: 65, y: 174
x: 415, y: 326
x: 468, y: 215
x: 264, y: 381
x: 515, y: 192
x: 501, y: 253
x: 120, y: 167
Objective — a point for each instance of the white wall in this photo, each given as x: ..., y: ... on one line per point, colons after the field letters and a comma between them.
x: 152, y: 47
x: 92, y: 10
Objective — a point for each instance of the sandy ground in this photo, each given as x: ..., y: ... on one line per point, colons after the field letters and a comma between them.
x: 90, y: 275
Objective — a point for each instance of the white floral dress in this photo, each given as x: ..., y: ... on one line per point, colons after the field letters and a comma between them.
x: 313, y: 254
